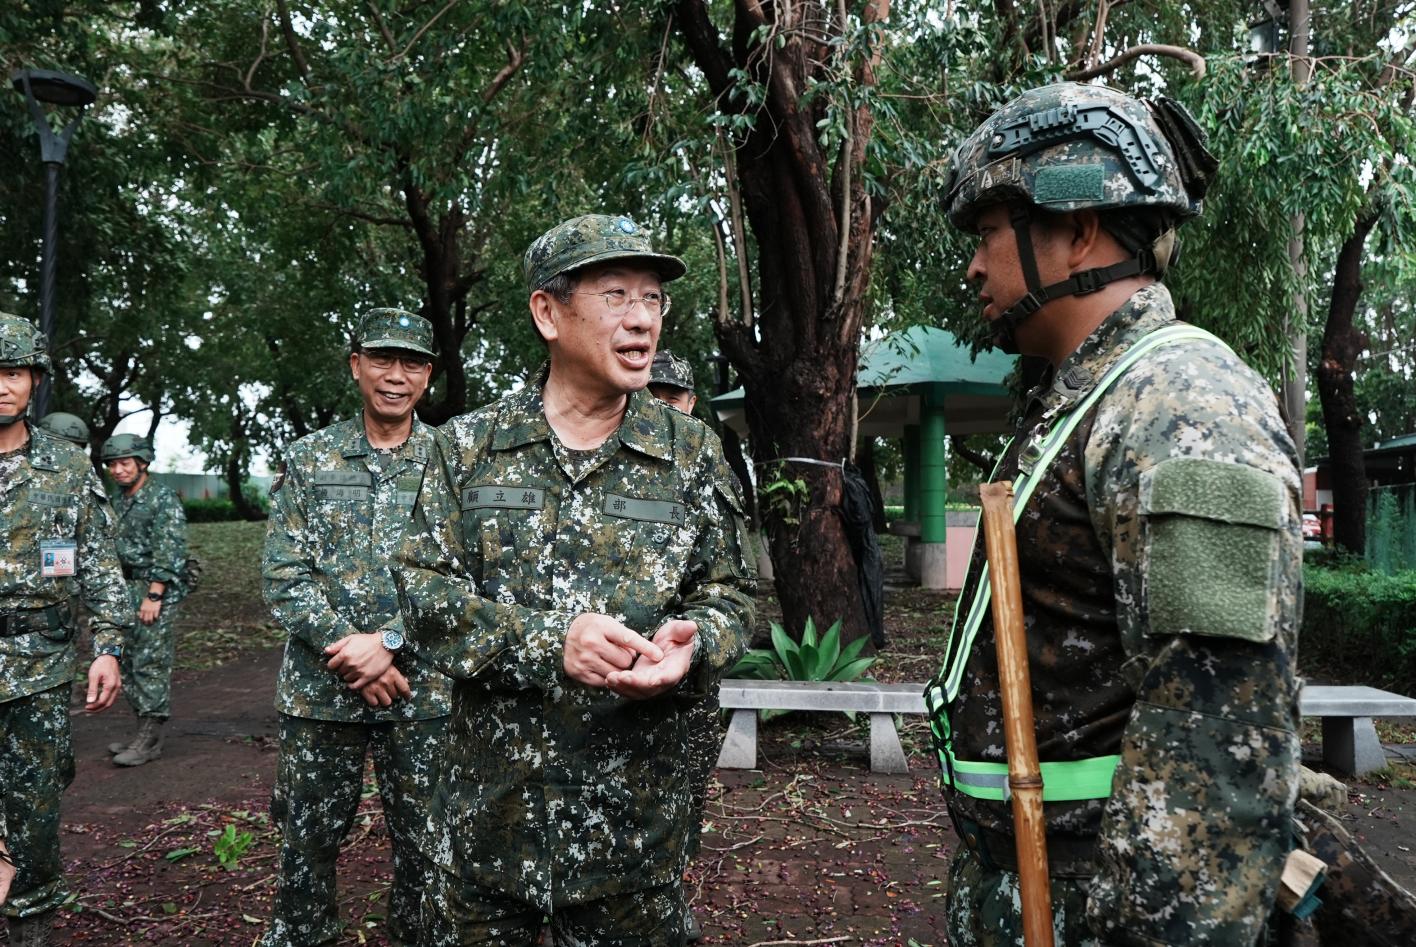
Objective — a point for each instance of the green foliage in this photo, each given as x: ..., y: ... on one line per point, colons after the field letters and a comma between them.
x: 811, y: 659
x: 782, y: 498
x: 218, y: 509
x: 1359, y: 625
x: 230, y: 845
x: 1391, y: 530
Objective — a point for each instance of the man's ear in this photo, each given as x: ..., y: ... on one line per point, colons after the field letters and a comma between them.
x: 1085, y: 233
x: 544, y: 314
x: 354, y: 365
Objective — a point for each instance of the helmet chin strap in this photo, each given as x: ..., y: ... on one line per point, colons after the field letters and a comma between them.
x: 1005, y: 327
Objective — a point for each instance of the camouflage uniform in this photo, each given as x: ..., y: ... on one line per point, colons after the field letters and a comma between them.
x: 152, y: 546
x: 557, y: 798
x: 51, y: 505
x: 1161, y: 566
x: 339, y: 511
x: 705, y: 729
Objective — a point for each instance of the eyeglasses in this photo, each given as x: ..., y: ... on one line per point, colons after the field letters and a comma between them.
x: 411, y: 364
x: 617, y: 300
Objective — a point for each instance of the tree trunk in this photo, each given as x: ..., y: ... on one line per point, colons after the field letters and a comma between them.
x: 1294, y: 388
x: 235, y: 469
x: 813, y: 228
x: 1342, y: 343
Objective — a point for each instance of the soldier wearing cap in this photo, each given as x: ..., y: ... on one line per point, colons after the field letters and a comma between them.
x: 71, y: 427
x: 584, y: 581
x: 58, y: 533
x: 1159, y: 546
x: 152, y: 548
x: 348, y: 686
x: 671, y: 381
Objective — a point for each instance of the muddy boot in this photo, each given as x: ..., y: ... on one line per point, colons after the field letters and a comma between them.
x: 31, y: 931
x: 146, y: 747
x: 114, y: 748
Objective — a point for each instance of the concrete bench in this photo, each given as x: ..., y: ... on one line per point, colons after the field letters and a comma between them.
x: 1350, y: 743
x: 881, y: 701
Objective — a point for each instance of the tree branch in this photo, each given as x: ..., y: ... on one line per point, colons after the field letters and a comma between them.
x: 288, y: 28
x: 1194, y: 60
x: 424, y: 29
x: 515, y: 56
x: 378, y: 19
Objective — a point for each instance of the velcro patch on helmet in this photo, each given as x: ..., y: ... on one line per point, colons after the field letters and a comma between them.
x: 1059, y: 183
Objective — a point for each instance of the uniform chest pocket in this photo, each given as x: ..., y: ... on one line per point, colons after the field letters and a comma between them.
x: 646, y: 526
x: 56, y: 513
x: 502, y: 522
x: 342, y: 486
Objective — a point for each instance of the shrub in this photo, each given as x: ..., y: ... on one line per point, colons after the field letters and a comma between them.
x: 811, y: 660
x: 1360, y: 625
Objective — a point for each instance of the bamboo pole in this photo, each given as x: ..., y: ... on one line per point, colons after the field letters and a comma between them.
x: 1024, y: 773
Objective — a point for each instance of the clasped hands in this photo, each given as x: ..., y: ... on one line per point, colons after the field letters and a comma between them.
x: 602, y: 652
x: 367, y: 667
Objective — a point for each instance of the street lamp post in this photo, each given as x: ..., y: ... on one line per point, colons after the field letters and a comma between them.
x: 61, y: 89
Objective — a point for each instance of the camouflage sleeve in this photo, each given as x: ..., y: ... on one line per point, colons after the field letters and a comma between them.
x: 291, y: 587
x: 1197, y: 499
x: 448, y: 622
x: 101, y: 582
x: 721, y: 579
x: 169, y: 540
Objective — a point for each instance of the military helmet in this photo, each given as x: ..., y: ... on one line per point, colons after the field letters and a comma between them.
x: 593, y: 238
x: 68, y: 426
x: 22, y: 344
x: 127, y: 445
x: 1068, y: 147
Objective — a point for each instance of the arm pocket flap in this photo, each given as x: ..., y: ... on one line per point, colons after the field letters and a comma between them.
x: 1212, y: 538
x: 1214, y: 490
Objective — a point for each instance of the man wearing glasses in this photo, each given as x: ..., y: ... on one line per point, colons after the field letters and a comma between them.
x: 338, y: 513
x: 584, y: 582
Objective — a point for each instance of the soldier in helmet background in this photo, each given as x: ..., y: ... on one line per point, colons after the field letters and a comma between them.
x: 1157, y: 510
x: 58, y: 539
x: 152, y: 547
x: 348, y: 687
x: 671, y: 381
x: 71, y: 427
x: 584, y: 580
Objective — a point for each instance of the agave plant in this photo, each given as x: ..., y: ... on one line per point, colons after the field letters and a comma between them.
x: 811, y: 660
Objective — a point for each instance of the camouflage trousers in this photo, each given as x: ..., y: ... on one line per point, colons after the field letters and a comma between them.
x: 36, y: 766
x: 146, y: 661
x: 458, y: 912
x: 983, y: 908
x: 705, y: 741
x: 318, y: 784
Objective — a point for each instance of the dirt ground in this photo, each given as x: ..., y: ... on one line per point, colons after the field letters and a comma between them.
x: 810, y: 848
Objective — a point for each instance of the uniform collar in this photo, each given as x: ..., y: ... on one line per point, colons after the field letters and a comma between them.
x: 643, y: 428
x: 355, y: 442
x: 1147, y: 310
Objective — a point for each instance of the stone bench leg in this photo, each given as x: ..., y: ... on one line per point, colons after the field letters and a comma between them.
x: 740, y: 742
x: 1350, y: 745
x: 886, y: 754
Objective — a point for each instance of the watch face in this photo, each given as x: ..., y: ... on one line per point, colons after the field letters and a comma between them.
x: 392, y: 640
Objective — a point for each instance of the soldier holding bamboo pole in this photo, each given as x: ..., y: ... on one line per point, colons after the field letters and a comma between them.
x: 1159, y: 551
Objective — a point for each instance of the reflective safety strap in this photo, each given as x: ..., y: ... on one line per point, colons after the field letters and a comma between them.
x: 1065, y: 781
x: 1091, y: 777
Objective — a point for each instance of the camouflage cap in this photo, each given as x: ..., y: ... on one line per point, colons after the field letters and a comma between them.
x: 395, y: 329
x: 593, y: 238
x: 1068, y: 146
x: 68, y: 426
x: 668, y: 369
x: 22, y: 344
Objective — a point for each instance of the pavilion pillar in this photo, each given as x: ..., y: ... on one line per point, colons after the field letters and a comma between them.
x: 933, y: 492
x: 912, y: 501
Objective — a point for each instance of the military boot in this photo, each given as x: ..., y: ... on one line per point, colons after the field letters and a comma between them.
x: 146, y: 747
x: 120, y: 747
x: 31, y: 931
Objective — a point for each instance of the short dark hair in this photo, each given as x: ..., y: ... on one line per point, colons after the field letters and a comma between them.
x: 559, y: 287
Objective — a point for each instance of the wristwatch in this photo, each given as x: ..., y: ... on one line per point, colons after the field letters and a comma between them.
x: 154, y: 596
x: 392, y: 639
x: 112, y: 650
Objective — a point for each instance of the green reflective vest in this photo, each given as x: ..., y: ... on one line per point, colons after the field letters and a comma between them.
x: 1062, y: 781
